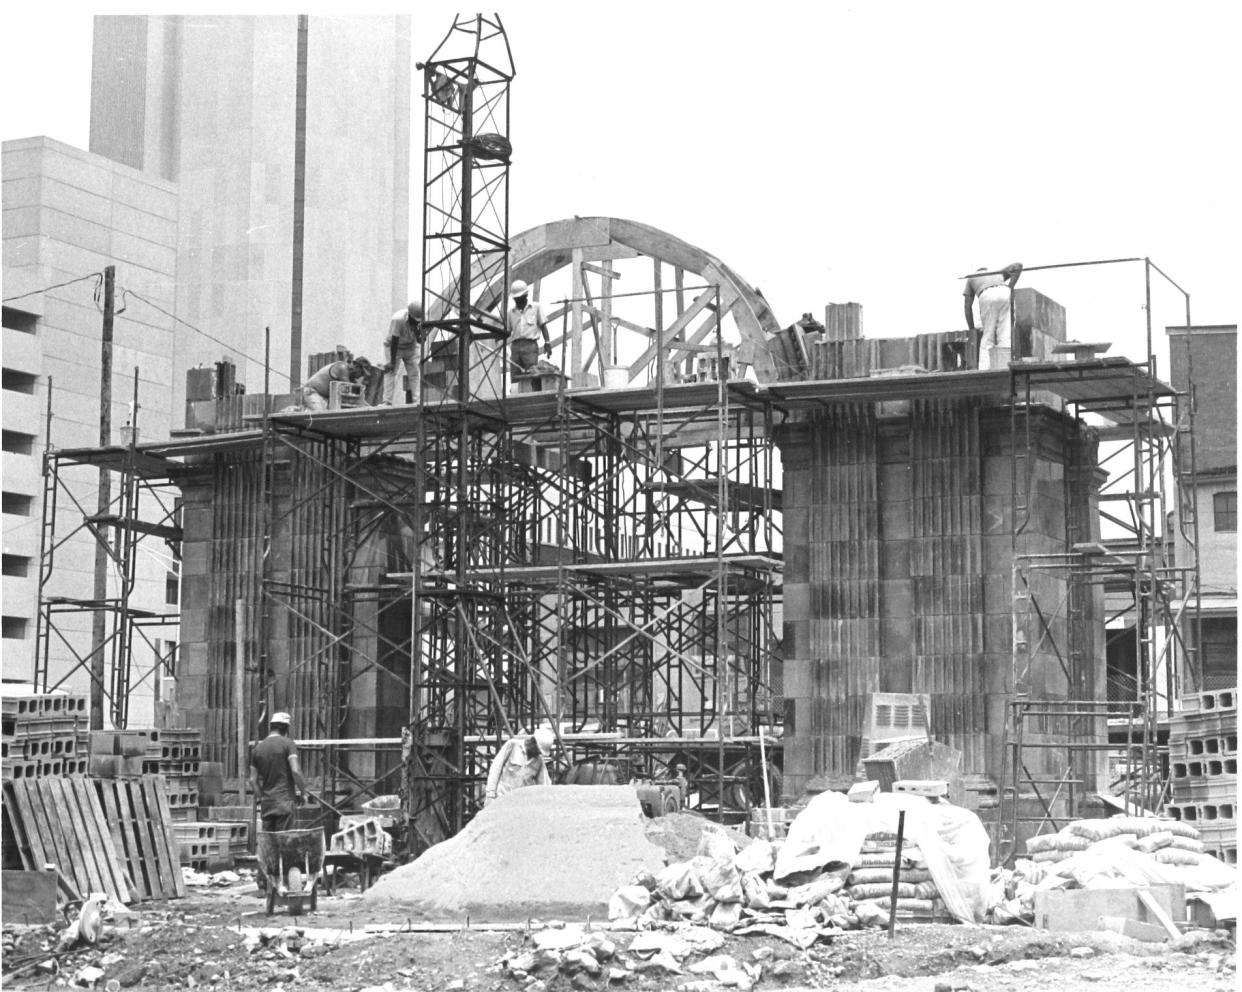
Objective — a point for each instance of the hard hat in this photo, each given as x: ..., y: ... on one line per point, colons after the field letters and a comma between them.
x: 545, y: 739
x: 284, y: 718
x: 518, y: 288
x: 415, y: 310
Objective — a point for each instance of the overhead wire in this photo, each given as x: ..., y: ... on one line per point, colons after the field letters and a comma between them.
x: 98, y: 276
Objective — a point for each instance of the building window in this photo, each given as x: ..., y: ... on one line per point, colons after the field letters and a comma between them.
x: 17, y: 566
x: 19, y: 382
x: 172, y: 588
x: 19, y: 320
x: 1225, y: 511
x: 19, y: 443
x: 15, y: 628
x: 17, y: 504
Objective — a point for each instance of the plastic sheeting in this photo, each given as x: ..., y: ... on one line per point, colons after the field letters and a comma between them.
x: 830, y: 831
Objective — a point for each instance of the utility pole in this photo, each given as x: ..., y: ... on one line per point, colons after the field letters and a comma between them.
x: 99, y: 627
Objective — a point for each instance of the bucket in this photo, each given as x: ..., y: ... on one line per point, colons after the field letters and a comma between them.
x: 616, y: 377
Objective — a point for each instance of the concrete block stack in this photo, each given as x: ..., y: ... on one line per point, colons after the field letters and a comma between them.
x: 1203, y: 769
x: 203, y: 846
x: 43, y: 736
x: 176, y: 754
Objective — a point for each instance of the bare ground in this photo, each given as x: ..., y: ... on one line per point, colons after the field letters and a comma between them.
x: 202, y: 941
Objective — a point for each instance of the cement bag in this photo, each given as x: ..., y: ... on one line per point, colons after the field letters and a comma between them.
x: 1044, y: 842
x: 954, y: 848
x: 754, y: 891
x: 714, y: 843
x: 863, y: 876
x: 718, y: 875
x: 758, y: 856
x: 1186, y: 843
x: 1174, y: 856
x: 831, y: 829
x: 1103, y: 864
x: 1180, y: 828
x: 679, y: 881
x: 1153, y: 842
x: 628, y: 901
x: 1052, y: 857
x: 878, y: 889
x: 817, y: 891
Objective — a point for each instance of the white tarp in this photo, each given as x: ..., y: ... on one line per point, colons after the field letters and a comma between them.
x: 950, y: 841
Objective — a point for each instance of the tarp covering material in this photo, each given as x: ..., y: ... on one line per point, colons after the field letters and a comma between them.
x: 830, y: 832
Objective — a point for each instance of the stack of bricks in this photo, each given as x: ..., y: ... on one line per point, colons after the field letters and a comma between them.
x: 1203, y: 767
x: 176, y: 754
x: 43, y: 736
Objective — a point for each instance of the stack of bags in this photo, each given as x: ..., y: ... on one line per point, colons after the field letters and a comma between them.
x: 872, y: 879
x: 1170, y: 842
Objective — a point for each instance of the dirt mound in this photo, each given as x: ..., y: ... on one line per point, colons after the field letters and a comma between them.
x: 543, y: 851
x: 678, y: 834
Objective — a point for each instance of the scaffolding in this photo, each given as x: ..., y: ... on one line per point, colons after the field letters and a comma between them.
x: 142, y: 508
x: 1067, y: 740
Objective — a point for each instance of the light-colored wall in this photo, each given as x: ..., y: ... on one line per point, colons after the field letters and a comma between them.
x: 218, y: 97
x: 68, y: 213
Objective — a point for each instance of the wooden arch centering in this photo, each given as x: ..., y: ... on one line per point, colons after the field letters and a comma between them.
x: 590, y: 245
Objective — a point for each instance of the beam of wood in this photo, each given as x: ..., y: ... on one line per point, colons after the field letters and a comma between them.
x: 679, y: 281
x: 577, y: 373
x: 675, y: 328
x: 608, y: 341
x: 1157, y: 911
x: 604, y: 270
x: 629, y: 325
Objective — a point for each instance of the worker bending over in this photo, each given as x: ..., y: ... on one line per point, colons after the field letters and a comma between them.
x: 521, y: 761
x: 275, y: 776
x: 402, y: 347
x: 995, y: 293
x: 317, y: 390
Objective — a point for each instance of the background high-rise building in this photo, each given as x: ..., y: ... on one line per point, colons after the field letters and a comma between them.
x: 243, y: 173
x: 289, y: 139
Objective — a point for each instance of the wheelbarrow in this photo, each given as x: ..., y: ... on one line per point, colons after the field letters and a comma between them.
x: 292, y: 863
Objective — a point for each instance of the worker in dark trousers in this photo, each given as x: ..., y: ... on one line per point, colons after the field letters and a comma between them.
x: 275, y: 777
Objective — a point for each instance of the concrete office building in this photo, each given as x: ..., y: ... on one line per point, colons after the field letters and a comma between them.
x: 1205, y: 358
x: 289, y: 139
x: 68, y: 214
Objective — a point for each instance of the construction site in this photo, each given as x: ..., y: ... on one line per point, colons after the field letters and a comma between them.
x: 742, y: 571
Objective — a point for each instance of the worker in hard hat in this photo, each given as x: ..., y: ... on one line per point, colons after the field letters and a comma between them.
x: 522, y: 760
x: 275, y: 775
x: 995, y: 294
x: 317, y: 390
x: 402, y: 346
x: 525, y: 322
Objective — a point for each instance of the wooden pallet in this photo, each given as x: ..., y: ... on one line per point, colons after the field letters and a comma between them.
x: 142, y: 832
x: 60, y: 821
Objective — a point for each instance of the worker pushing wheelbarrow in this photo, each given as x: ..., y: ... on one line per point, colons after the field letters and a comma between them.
x: 291, y: 860
x: 292, y: 864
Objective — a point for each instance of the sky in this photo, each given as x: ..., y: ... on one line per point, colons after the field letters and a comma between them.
x: 833, y: 152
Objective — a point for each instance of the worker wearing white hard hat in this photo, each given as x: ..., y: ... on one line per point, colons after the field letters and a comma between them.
x: 402, y: 347
x: 526, y: 322
x: 521, y: 761
x: 275, y: 776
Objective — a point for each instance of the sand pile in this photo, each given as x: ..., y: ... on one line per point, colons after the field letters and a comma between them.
x: 543, y: 851
x: 678, y: 834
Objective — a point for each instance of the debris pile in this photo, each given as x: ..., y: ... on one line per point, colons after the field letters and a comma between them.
x: 542, y: 851
x: 810, y: 896
x: 1126, y: 851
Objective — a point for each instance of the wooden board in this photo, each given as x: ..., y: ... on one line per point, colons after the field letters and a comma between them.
x: 137, y: 813
x: 59, y: 821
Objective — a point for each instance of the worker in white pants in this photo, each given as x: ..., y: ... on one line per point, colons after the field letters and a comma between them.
x: 402, y: 346
x: 995, y: 295
x: 521, y: 761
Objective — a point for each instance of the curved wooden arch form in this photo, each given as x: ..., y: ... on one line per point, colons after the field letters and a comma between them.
x: 684, y: 319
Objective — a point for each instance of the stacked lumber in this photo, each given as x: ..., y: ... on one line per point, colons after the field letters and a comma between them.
x: 1203, y: 765
x: 61, y: 822
x: 42, y: 735
x: 142, y: 834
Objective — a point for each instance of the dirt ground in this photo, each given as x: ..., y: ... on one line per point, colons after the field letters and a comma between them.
x: 212, y: 939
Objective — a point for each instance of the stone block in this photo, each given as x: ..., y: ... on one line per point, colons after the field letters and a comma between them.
x: 1079, y: 910
x: 895, y: 520
x: 897, y: 598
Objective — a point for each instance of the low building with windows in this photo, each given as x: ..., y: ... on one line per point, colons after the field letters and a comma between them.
x: 1203, y: 365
